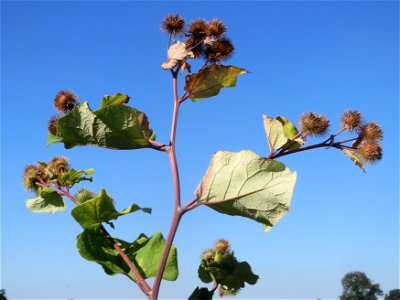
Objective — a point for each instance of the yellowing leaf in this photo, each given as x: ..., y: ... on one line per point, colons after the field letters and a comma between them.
x: 274, y: 131
x: 211, y: 80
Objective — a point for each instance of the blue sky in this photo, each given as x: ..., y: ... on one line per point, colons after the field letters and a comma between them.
x: 303, y: 56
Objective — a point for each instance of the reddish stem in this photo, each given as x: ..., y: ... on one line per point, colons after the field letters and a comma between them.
x: 175, y: 174
x: 140, y: 280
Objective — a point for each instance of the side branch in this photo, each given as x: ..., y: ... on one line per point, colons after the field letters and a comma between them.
x: 140, y: 280
x: 142, y: 284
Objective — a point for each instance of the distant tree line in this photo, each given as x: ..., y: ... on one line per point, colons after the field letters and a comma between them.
x: 357, y: 286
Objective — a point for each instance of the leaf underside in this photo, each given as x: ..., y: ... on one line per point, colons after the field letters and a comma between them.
x: 245, y: 184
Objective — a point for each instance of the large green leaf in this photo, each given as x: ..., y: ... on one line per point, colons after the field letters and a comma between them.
x: 114, y: 126
x: 144, y: 253
x: 100, y: 209
x: 149, y: 257
x: 48, y: 201
x: 211, y: 80
x: 245, y: 184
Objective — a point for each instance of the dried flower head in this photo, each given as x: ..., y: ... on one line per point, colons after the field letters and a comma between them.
x: 195, y: 45
x: 198, y: 28
x: 314, y: 124
x: 58, y: 166
x: 30, y: 178
x: 173, y: 24
x: 222, y: 246
x: 351, y: 119
x: 52, y: 125
x: 371, y: 131
x: 370, y: 150
x: 222, y: 49
x: 65, y: 101
x: 216, y: 28
x: 43, y: 172
x: 84, y: 195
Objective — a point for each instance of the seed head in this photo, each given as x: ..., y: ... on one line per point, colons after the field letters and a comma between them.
x: 65, y: 101
x: 198, y: 28
x: 173, y: 24
x: 52, y: 125
x: 351, y: 119
x: 58, y: 166
x: 222, y: 49
x: 194, y: 44
x: 43, y: 172
x: 370, y: 150
x: 222, y: 246
x: 314, y: 124
x: 371, y: 131
x: 208, y: 255
x: 84, y: 195
x: 30, y: 178
x: 216, y: 28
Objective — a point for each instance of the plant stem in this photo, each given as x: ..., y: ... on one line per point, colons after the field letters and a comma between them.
x: 140, y: 280
x: 326, y: 143
x: 177, y: 195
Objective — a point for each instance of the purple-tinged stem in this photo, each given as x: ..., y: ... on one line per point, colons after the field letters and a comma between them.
x: 140, y: 280
x: 177, y: 196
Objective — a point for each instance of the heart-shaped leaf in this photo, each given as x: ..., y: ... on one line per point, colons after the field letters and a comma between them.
x: 245, y: 184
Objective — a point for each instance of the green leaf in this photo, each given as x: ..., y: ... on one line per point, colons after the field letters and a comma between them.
x: 94, y: 246
x: 355, y: 158
x: 48, y: 201
x: 100, y: 209
x: 117, y: 99
x: 245, y: 184
x: 235, y: 276
x: 204, y: 275
x: 211, y: 80
x: 201, y: 294
x: 149, y: 257
x: 275, y: 134
x: 290, y: 131
x: 73, y: 177
x: 114, y: 126
x: 51, y: 139
x: 143, y: 252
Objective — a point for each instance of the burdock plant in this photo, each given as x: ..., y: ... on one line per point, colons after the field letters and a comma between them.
x: 236, y: 183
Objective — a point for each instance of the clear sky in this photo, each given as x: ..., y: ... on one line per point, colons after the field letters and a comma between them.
x: 303, y: 56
